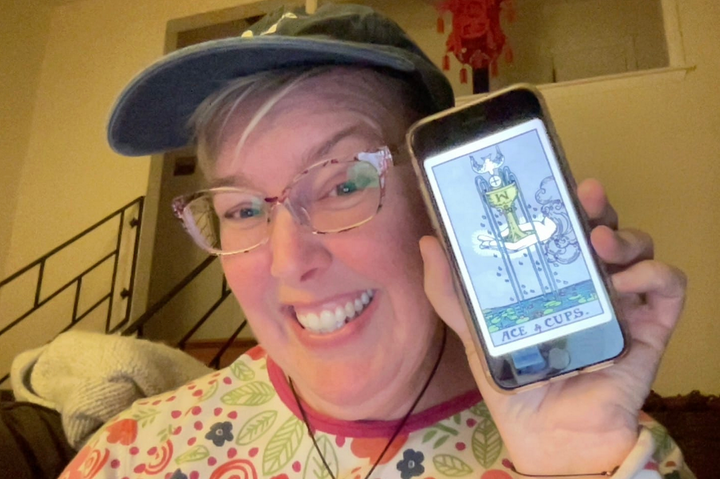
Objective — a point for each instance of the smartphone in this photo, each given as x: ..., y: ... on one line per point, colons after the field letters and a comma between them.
x: 500, y: 193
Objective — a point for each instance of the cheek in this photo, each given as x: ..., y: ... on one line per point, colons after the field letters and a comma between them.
x: 248, y: 276
x: 389, y: 249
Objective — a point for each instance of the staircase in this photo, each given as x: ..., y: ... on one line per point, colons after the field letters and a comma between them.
x: 35, y: 308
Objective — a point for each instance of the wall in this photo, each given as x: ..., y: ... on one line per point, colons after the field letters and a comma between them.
x: 571, y: 39
x: 69, y: 177
x: 24, y: 29
x: 654, y: 144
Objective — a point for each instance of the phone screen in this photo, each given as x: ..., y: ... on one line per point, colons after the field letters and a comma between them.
x: 517, y: 239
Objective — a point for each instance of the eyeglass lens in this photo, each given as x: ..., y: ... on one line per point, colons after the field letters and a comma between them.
x: 330, y: 198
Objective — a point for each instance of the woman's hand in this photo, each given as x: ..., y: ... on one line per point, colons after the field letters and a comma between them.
x: 587, y: 423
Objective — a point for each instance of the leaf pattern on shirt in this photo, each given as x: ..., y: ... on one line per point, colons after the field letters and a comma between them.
x: 255, y: 427
x: 444, y: 430
x: 282, y: 446
x: 242, y: 371
x: 197, y: 453
x: 451, y: 466
x: 486, y: 442
x: 270, y: 440
x: 314, y: 467
x: 251, y: 394
x: 145, y: 417
x: 209, y: 392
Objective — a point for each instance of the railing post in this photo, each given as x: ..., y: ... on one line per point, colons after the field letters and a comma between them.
x: 115, y: 270
x: 39, y: 282
x: 137, y: 224
x: 77, y: 299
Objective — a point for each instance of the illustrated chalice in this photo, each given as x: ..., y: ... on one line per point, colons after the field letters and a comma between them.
x: 503, y: 198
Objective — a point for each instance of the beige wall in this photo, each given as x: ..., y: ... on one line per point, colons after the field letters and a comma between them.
x: 657, y: 148
x: 654, y: 144
x: 69, y: 177
x: 24, y: 28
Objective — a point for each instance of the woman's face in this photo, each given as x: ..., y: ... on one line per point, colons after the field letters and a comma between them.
x: 371, y: 366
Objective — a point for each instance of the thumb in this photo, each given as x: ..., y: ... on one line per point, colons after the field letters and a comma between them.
x: 440, y: 289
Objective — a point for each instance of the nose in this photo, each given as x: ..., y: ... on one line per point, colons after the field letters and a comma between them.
x: 297, y: 254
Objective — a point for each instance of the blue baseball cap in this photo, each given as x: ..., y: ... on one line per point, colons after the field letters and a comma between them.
x: 151, y: 114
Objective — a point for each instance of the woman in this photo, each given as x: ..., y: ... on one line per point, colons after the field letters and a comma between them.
x: 358, y: 375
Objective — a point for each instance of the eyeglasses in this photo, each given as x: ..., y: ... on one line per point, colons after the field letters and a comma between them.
x: 329, y: 197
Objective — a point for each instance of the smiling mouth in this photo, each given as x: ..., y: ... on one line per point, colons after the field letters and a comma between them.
x: 324, y: 321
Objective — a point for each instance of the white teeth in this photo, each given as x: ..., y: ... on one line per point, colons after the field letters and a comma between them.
x: 328, y: 320
x: 339, y: 315
x: 312, y: 321
x: 350, y: 310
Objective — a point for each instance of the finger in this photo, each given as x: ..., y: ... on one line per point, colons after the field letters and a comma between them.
x: 623, y: 247
x: 596, y: 204
x: 663, y: 286
x: 439, y: 286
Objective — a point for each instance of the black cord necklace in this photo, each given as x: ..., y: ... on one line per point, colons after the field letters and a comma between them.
x: 397, y: 430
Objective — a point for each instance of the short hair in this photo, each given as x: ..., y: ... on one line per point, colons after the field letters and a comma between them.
x: 379, y: 97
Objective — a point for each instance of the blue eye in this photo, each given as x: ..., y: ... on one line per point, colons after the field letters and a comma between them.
x: 346, y: 188
x: 242, y: 213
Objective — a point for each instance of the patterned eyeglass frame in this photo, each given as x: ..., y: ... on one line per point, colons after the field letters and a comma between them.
x: 381, y: 159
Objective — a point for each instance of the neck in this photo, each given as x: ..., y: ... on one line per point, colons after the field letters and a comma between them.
x: 451, y: 379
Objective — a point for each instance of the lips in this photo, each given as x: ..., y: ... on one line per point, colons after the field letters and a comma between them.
x: 331, y: 317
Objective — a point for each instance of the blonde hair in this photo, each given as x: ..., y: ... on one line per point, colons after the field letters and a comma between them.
x: 384, y: 102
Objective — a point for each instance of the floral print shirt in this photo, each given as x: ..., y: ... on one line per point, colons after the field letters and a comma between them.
x: 243, y: 423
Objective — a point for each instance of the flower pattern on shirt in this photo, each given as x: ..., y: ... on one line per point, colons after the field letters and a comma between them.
x: 411, y: 464
x: 242, y: 422
x: 220, y: 433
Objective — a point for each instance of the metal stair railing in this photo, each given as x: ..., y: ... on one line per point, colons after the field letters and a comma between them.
x: 137, y: 326
x: 77, y: 316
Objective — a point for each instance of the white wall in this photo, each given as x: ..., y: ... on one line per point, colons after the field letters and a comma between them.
x: 654, y: 144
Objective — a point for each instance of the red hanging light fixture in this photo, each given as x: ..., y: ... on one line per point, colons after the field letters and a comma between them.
x: 476, y: 39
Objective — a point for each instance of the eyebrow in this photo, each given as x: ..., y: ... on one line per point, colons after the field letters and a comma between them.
x: 325, y: 148
x: 308, y: 158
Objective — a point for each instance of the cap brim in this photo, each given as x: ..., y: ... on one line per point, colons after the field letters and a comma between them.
x: 151, y: 114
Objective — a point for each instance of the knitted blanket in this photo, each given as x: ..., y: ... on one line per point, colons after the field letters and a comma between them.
x: 90, y: 377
